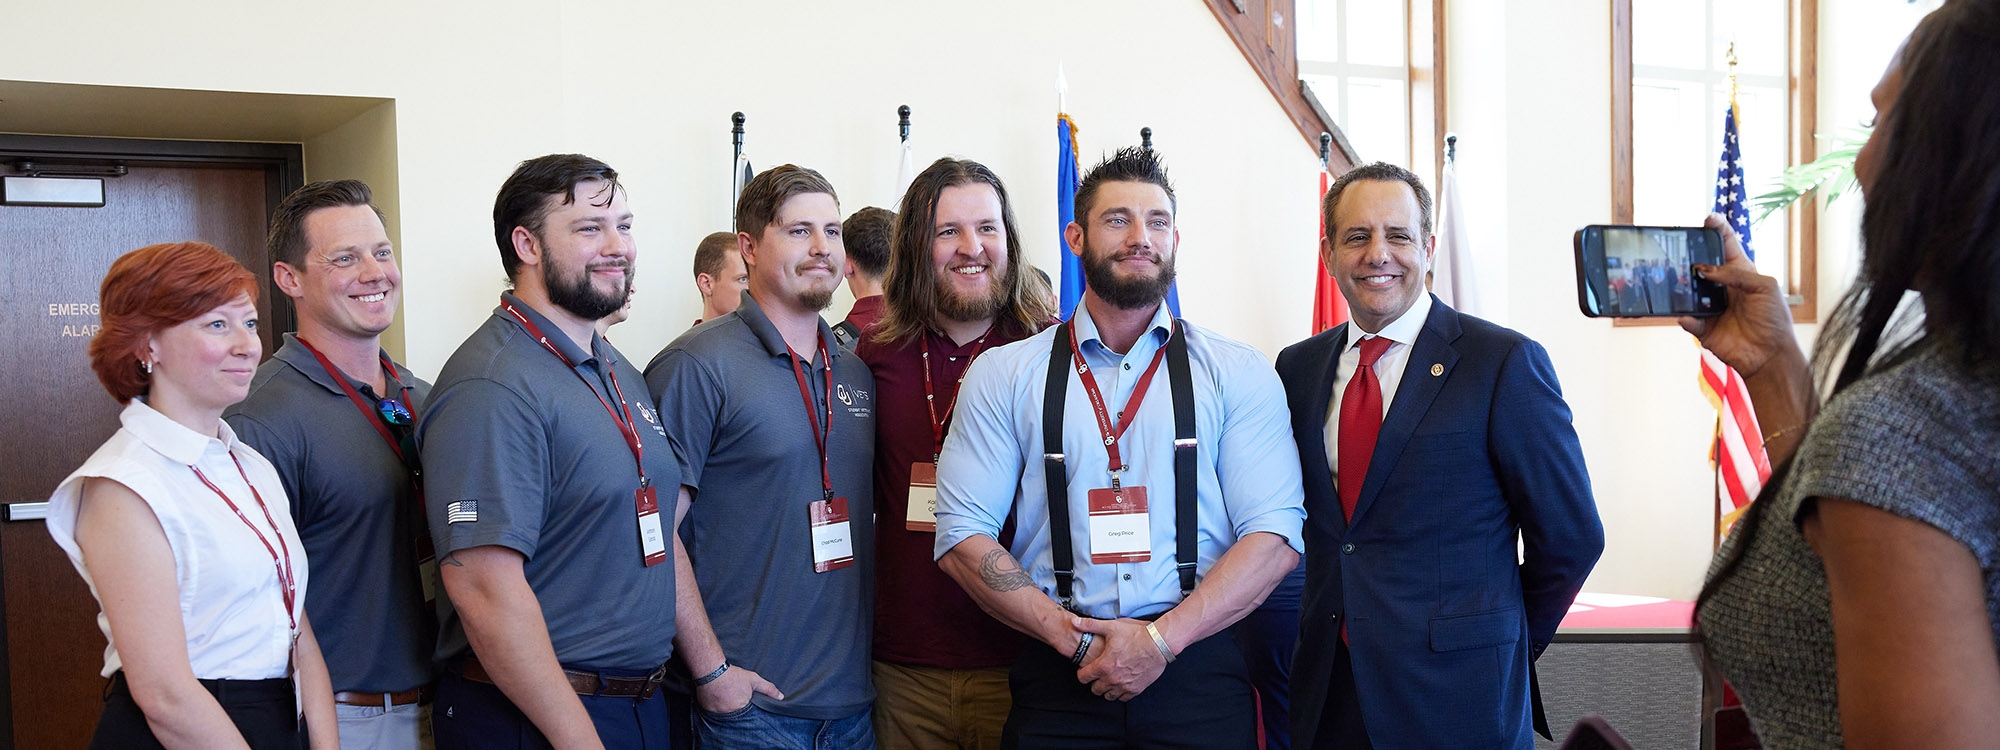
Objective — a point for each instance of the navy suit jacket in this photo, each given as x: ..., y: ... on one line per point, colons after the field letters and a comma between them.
x: 1443, y: 622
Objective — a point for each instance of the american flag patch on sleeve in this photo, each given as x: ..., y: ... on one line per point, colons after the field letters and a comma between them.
x: 462, y: 511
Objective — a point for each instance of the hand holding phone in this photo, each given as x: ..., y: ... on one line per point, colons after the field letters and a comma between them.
x: 1647, y: 272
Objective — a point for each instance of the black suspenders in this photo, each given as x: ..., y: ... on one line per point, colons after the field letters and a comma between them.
x: 1061, y: 554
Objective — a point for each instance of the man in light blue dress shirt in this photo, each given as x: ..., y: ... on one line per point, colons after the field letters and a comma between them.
x: 1134, y: 655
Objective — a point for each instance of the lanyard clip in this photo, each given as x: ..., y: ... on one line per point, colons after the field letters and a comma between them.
x: 645, y: 481
x: 826, y: 495
x: 1115, y: 479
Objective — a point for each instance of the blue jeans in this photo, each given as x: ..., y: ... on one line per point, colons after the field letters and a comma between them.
x: 753, y: 727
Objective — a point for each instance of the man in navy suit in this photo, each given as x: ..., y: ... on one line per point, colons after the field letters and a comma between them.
x: 1431, y: 442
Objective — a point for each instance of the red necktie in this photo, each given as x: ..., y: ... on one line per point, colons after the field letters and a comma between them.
x: 1360, y: 422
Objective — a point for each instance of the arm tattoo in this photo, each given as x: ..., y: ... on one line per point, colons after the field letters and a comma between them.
x: 1002, y: 573
x: 451, y: 558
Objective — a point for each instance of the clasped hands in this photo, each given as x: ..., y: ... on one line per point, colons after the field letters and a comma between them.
x: 1123, y: 660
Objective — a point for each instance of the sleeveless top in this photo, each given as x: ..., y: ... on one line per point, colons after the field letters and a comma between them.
x: 231, y: 602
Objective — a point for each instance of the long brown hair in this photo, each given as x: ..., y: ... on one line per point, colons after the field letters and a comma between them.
x: 910, y: 292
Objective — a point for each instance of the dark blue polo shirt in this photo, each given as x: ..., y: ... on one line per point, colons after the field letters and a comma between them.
x: 518, y: 452
x: 356, y: 513
x: 730, y: 398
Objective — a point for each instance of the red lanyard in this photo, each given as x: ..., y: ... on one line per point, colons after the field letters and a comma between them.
x: 367, y: 410
x: 1132, y: 402
x: 625, y: 425
x: 286, y: 582
x: 822, y: 430
x: 930, y: 394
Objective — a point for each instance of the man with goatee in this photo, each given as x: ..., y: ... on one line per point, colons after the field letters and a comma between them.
x: 775, y: 422
x: 1148, y: 470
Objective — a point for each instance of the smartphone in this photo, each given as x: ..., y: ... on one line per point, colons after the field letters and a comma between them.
x: 1647, y: 272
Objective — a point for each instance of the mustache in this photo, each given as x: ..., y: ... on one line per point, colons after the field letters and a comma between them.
x: 1146, y: 254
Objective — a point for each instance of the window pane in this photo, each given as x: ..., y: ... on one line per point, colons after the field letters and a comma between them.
x: 1375, y: 32
x: 1763, y: 128
x: 1673, y: 160
x: 1319, y: 30
x: 1378, y: 121
x: 1668, y: 34
x: 1326, y: 89
x: 1758, y: 29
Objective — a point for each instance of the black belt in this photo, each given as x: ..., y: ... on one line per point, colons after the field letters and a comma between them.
x: 583, y: 682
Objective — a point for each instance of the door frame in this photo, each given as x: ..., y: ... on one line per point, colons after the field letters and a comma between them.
x: 284, y: 172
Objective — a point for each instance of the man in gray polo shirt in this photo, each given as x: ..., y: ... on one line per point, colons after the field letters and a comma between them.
x: 776, y: 428
x: 544, y: 469
x: 332, y: 413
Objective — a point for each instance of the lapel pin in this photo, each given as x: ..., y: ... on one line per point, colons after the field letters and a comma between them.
x: 1437, y: 370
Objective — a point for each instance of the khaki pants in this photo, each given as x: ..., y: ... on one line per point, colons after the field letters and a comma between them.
x: 922, y: 708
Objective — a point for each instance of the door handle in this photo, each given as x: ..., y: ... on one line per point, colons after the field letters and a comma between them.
x: 25, y: 511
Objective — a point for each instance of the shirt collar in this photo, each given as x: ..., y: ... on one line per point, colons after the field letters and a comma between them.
x: 293, y: 353
x: 554, y: 333
x: 1162, y: 326
x: 1404, y: 329
x: 760, y: 324
x: 170, y: 438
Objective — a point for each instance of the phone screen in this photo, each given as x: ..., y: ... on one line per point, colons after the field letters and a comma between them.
x: 1636, y: 272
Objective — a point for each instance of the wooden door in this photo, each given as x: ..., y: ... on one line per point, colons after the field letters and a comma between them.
x: 52, y: 261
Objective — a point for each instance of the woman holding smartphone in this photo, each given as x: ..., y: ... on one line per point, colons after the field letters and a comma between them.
x: 1857, y: 603
x: 184, y: 534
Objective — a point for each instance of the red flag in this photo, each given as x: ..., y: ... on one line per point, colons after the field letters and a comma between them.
x: 1329, y: 308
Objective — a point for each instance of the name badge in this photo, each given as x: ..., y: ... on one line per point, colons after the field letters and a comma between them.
x: 427, y: 567
x: 832, y: 543
x: 1121, y: 530
x: 922, y: 513
x: 652, y: 541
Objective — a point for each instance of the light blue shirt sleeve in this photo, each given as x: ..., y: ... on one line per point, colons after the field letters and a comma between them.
x: 1257, y: 464
x: 979, y: 471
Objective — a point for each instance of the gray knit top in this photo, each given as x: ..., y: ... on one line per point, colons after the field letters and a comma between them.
x: 1920, y: 439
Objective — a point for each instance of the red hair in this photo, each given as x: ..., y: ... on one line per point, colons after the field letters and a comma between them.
x: 149, y: 290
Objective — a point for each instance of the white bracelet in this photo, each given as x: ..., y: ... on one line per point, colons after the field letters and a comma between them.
x: 1160, y: 642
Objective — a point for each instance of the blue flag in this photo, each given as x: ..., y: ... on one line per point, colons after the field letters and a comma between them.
x: 1068, y: 177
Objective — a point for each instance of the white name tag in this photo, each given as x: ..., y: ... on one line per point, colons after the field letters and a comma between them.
x: 1121, y: 529
x: 832, y: 547
x: 922, y: 513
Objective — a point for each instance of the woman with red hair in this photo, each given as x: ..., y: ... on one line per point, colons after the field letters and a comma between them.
x: 184, y: 534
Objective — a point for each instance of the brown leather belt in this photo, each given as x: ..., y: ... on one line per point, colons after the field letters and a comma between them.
x: 584, y: 683
x: 375, y: 700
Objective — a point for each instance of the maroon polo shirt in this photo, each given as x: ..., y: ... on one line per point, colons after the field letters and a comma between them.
x: 865, y: 312
x: 922, y: 617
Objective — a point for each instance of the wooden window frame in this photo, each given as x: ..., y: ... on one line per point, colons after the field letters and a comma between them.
x: 1802, y: 42
x: 1266, y: 32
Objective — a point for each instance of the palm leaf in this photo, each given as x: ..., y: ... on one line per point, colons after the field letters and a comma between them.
x: 1832, y: 174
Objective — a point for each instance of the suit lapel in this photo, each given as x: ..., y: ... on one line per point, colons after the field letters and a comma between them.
x: 1311, y: 435
x: 1414, y: 395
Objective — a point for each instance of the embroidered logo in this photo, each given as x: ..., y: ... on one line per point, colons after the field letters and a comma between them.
x: 462, y: 511
x: 840, y: 392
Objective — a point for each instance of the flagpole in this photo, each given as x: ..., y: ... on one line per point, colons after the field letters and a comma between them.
x: 736, y: 159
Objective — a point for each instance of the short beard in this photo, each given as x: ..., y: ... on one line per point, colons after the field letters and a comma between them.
x: 967, y: 309
x: 1125, y: 293
x: 580, y: 297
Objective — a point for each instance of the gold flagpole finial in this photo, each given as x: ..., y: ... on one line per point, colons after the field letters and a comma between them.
x: 1731, y: 57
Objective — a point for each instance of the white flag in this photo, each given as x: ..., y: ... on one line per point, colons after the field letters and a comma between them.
x: 740, y: 176
x: 1456, y: 279
x: 905, y: 174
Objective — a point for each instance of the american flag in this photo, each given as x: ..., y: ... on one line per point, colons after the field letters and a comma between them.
x: 1738, y: 451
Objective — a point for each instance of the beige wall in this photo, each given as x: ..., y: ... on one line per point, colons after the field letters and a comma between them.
x: 649, y: 86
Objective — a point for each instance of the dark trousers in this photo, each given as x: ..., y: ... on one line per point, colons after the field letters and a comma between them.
x: 1202, y: 701
x: 468, y: 715
x: 1340, y: 725
x: 1267, y: 637
x: 264, y: 711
